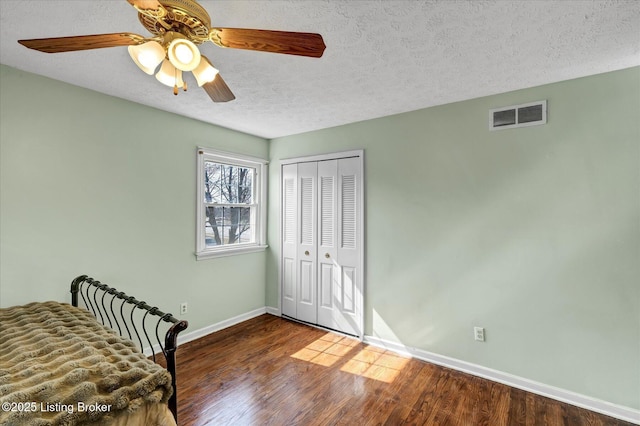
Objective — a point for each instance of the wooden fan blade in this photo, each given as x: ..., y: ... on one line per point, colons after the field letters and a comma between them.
x: 290, y: 43
x: 218, y: 90
x: 86, y: 42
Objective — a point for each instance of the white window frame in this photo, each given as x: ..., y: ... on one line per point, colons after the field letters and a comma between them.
x: 260, y: 199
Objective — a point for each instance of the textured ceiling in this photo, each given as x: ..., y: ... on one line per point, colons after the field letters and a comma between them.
x: 382, y: 57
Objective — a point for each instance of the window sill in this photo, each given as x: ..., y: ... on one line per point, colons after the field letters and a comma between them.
x: 212, y: 254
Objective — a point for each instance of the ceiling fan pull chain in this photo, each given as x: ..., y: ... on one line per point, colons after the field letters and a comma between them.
x: 175, y: 84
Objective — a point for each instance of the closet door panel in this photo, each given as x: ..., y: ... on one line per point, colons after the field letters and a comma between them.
x: 349, y: 290
x: 289, y: 277
x: 307, y: 287
x: 326, y: 289
x: 307, y: 243
x: 349, y: 251
x: 289, y: 239
x: 329, y: 268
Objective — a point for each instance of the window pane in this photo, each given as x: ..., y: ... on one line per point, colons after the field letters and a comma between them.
x: 228, y: 184
x: 238, y: 225
x: 212, y: 176
x: 245, y: 227
x: 245, y: 185
x: 228, y: 225
x: 225, y: 183
x: 213, y: 226
x: 227, y: 178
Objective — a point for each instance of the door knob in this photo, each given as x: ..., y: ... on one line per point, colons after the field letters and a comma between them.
x: 306, y: 252
x: 327, y: 255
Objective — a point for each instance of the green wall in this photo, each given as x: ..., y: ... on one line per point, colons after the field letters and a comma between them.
x: 532, y: 233
x: 92, y: 184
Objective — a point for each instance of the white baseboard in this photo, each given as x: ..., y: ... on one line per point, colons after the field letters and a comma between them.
x: 201, y: 332
x: 273, y: 311
x: 599, y: 406
x: 196, y: 334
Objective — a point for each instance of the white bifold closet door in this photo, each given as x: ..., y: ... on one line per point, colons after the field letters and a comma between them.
x: 321, y: 253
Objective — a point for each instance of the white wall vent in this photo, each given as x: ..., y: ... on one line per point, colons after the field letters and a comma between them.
x: 530, y: 114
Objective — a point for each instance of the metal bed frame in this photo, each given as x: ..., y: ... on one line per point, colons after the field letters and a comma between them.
x: 83, y: 284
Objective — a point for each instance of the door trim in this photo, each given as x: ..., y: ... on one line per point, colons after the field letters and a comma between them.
x: 328, y: 156
x: 359, y: 153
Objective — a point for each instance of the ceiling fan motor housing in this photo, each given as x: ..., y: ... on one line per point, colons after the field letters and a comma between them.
x: 186, y: 17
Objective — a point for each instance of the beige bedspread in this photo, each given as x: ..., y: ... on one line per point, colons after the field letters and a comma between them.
x: 59, y: 366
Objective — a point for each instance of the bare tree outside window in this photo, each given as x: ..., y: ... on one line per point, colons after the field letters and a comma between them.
x: 230, y: 216
x: 229, y: 203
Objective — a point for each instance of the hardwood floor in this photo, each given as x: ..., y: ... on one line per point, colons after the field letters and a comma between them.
x: 270, y: 371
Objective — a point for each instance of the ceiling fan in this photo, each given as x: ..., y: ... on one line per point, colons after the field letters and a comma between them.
x: 178, y: 26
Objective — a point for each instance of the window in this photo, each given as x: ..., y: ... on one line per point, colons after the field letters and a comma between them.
x: 231, y: 217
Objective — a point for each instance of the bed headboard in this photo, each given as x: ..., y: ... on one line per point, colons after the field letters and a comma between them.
x: 94, y: 293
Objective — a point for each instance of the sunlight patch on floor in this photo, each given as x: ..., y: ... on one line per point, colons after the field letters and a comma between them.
x: 327, y: 350
x: 370, y: 362
x: 375, y: 363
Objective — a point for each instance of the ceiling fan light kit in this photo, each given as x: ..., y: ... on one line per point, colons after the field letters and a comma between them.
x: 178, y: 26
x: 147, y: 56
x: 177, y: 54
x: 205, y: 72
x: 170, y: 75
x: 183, y: 54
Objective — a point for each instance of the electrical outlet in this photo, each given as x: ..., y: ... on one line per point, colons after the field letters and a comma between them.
x: 478, y: 333
x: 183, y: 308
